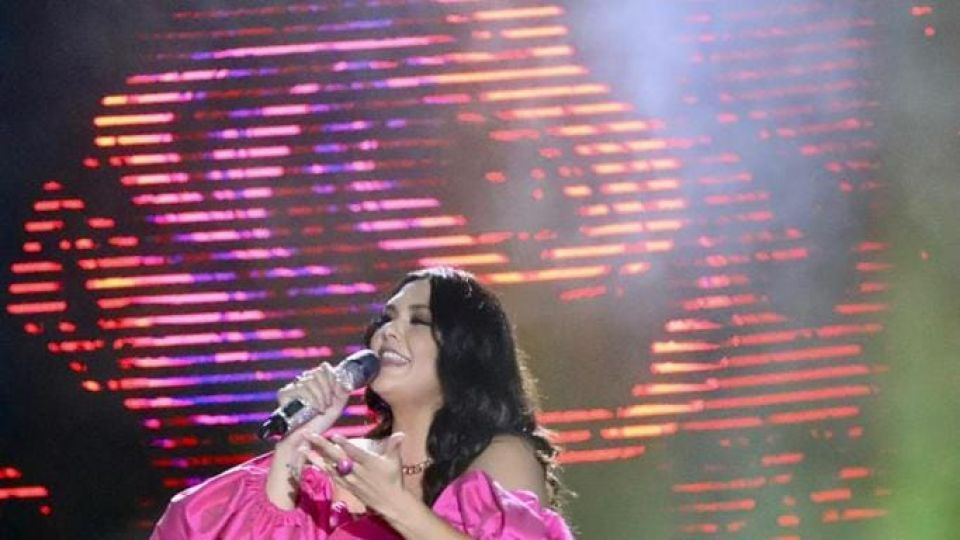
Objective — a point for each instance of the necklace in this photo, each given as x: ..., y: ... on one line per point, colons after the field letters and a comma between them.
x: 416, y: 468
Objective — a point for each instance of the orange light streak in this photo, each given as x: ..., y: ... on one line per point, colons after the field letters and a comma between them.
x: 133, y: 119
x: 465, y: 260
x: 424, y: 243
x: 517, y: 13
x: 658, y: 409
x: 639, y: 431
x: 691, y: 325
x: 566, y: 437
x: 659, y: 184
x: 780, y: 398
x: 853, y: 514
x: 673, y: 347
x: 642, y: 165
x: 551, y: 274
x: 583, y: 415
x: 562, y: 110
x: 722, y: 424
x: 658, y: 389
x: 534, y: 32
x: 485, y: 76
x: 794, y: 376
x: 795, y: 355
x: 605, y: 454
x: 133, y: 140
x: 815, y: 415
x: 544, y: 92
x: 581, y: 130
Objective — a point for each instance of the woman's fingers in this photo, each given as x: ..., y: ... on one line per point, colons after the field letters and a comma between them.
x: 330, y: 451
x: 352, y: 451
x: 329, y: 375
x: 317, y: 387
x: 320, y: 398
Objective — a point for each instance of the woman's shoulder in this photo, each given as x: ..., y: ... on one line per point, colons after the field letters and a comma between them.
x: 511, y: 461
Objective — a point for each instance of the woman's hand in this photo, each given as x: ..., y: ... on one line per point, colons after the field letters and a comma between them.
x: 374, y: 479
x: 319, y: 389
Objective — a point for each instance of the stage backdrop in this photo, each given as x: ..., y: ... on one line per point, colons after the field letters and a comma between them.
x: 672, y: 198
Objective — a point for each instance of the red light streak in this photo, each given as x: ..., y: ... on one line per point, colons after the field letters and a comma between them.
x: 43, y: 226
x: 782, y: 459
x: 729, y: 485
x: 723, y: 506
x: 831, y: 495
x: 23, y: 492
x: 787, y: 397
x: 816, y: 415
x: 30, y: 308
x: 36, y: 267
x: 35, y: 287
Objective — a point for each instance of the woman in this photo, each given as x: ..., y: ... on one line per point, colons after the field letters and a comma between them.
x: 456, y: 452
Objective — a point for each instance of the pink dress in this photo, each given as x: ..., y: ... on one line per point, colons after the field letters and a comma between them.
x: 234, y: 505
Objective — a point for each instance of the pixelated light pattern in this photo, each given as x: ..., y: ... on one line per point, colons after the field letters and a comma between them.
x: 281, y: 165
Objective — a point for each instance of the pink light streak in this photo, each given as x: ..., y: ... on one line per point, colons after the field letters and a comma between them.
x: 327, y: 46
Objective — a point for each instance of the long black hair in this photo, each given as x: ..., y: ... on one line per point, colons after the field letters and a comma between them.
x: 487, y: 390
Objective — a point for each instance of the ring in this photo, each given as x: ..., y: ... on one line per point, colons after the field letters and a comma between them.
x: 344, y: 466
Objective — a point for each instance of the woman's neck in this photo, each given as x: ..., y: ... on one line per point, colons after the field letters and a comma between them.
x: 415, y: 425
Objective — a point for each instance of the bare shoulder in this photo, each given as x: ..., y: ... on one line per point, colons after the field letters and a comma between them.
x: 511, y: 460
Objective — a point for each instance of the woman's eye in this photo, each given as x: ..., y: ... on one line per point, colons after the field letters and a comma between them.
x: 423, y: 322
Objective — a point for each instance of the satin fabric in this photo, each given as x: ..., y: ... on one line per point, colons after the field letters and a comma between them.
x: 234, y: 506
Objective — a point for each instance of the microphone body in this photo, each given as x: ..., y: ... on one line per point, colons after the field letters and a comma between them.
x: 353, y: 372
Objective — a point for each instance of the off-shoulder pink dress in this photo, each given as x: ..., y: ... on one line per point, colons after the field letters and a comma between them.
x: 234, y: 506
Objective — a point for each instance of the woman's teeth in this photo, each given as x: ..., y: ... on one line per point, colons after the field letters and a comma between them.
x: 393, y: 358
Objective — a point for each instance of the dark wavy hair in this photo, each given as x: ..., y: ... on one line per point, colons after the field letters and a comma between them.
x: 487, y: 389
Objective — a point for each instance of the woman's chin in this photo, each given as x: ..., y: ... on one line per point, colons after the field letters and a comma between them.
x: 384, y: 386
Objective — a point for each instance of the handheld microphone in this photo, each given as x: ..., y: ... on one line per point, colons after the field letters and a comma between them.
x: 353, y: 372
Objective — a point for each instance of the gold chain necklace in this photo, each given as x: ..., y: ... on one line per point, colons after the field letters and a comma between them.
x: 416, y: 468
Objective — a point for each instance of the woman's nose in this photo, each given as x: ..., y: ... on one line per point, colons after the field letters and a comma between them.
x: 390, y: 329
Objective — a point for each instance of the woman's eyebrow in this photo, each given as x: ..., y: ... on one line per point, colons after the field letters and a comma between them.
x: 392, y: 308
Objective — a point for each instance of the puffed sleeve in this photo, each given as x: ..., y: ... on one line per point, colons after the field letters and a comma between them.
x: 234, y: 505
x: 479, y: 507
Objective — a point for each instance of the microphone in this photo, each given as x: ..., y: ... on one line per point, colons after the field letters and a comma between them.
x: 353, y: 372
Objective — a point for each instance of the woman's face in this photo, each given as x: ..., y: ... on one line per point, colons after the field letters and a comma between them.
x: 407, y: 349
